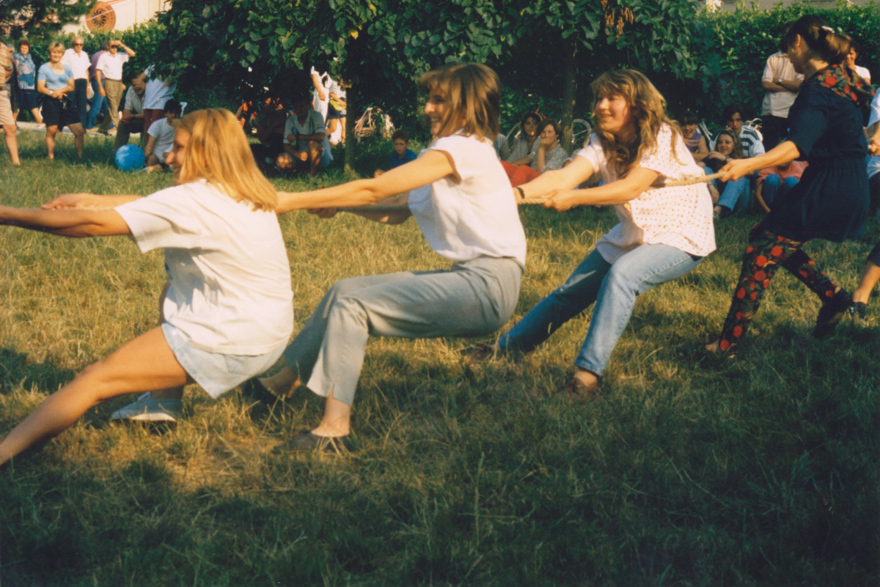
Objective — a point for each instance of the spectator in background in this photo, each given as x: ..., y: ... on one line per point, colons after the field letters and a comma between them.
x: 774, y: 182
x: 693, y: 138
x: 854, y: 50
x: 158, y: 92
x: 401, y: 153
x: 734, y: 196
x: 550, y: 155
x: 749, y: 138
x: 7, y: 120
x: 55, y: 82
x: 525, y: 147
x: 321, y: 98
x: 336, y: 110
x: 132, y: 119
x: 27, y: 80
x: 110, y: 81
x: 161, y: 137
x: 78, y: 62
x: 782, y: 83
x: 99, y: 102
x: 306, y: 147
x: 268, y: 127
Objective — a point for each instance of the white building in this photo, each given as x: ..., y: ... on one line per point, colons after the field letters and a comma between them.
x: 118, y: 15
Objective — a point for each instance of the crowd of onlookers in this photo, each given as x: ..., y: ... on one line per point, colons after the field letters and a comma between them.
x: 86, y: 94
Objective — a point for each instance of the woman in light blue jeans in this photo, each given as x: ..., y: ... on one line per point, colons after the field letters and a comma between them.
x: 663, y: 233
x: 736, y: 194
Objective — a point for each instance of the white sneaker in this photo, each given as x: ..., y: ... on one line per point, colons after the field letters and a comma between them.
x: 149, y: 409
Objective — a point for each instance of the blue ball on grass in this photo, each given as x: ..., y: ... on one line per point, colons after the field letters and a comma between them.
x: 130, y: 157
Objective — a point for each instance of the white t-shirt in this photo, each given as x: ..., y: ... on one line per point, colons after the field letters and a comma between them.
x: 473, y: 217
x: 79, y: 64
x: 157, y: 92
x: 314, y: 124
x: 227, y: 265
x: 164, y: 134
x: 777, y: 103
x: 874, y: 162
x: 680, y: 217
x: 111, y: 66
x: 864, y: 73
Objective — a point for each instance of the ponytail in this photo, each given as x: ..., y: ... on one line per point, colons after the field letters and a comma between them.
x: 823, y: 41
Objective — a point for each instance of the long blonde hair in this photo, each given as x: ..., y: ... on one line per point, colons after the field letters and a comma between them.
x: 218, y: 152
x: 473, y: 91
x: 649, y: 109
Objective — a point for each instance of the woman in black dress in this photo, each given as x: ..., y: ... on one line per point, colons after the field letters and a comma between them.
x: 831, y: 200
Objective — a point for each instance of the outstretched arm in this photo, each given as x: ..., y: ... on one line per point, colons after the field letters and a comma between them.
x: 783, y: 153
x: 78, y: 223
x: 636, y: 181
x: 428, y: 168
x: 65, y: 201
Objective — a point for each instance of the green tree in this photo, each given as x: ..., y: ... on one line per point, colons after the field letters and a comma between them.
x: 41, y: 16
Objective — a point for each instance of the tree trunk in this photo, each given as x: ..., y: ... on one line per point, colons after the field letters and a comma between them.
x: 350, y: 119
x: 569, y: 89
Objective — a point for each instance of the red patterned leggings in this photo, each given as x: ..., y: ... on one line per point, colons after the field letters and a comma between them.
x: 764, y: 255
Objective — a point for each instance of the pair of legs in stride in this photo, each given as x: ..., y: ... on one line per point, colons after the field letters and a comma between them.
x: 146, y: 363
x: 614, y: 288
x: 766, y: 253
x: 474, y: 298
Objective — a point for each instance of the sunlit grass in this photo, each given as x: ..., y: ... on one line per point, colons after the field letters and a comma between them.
x: 759, y: 471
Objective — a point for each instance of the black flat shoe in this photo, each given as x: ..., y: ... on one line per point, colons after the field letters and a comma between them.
x: 831, y: 312
x: 305, y: 441
x: 859, y: 310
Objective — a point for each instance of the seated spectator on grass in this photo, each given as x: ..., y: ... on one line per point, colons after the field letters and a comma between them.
x: 850, y: 61
x: 55, y: 82
x: 306, y: 147
x: 268, y: 127
x: 549, y: 156
x: 159, y: 90
x: 693, y: 138
x: 774, y: 182
x: 525, y: 147
x: 27, y: 80
x: 161, y: 137
x: 132, y: 118
x: 733, y: 196
x: 749, y: 138
x: 401, y: 153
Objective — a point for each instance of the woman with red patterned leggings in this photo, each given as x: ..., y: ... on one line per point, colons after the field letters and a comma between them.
x: 831, y: 200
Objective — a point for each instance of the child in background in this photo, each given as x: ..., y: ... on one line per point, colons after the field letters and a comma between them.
x: 693, y: 138
x: 774, y: 182
x: 401, y: 153
x: 162, y: 136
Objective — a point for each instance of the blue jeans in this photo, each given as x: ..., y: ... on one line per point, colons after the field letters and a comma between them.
x: 98, y: 102
x: 736, y: 195
x: 613, y: 287
x: 773, y: 188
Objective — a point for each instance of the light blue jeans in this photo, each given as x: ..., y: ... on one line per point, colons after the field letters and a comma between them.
x: 773, y: 188
x: 98, y: 103
x: 473, y: 298
x: 613, y: 287
x: 736, y: 195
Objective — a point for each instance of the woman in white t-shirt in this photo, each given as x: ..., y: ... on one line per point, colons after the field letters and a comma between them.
x: 459, y: 194
x: 228, y: 303
x: 663, y: 233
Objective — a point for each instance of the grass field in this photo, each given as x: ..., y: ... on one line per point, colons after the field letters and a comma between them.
x: 762, y: 471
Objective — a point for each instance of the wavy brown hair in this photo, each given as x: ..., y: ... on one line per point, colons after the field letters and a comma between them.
x: 823, y: 41
x: 737, y: 152
x: 218, y: 152
x: 473, y: 92
x: 649, y: 109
